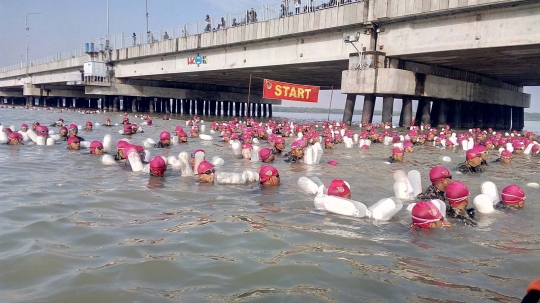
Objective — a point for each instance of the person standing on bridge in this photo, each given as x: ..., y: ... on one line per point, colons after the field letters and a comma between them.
x: 166, y: 36
x: 208, y: 23
x: 134, y: 39
x: 297, y: 6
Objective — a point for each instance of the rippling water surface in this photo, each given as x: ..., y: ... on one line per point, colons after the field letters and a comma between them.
x: 73, y: 230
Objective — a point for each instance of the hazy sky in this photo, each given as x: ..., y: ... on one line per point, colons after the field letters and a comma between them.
x: 65, y: 24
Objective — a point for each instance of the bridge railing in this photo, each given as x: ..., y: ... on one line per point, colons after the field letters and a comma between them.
x: 252, y: 15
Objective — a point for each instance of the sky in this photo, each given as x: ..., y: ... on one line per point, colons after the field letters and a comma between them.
x: 65, y: 25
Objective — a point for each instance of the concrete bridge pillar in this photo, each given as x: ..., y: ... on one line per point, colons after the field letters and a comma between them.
x: 442, y: 118
x: 253, y: 109
x: 207, y: 107
x: 57, y: 102
x: 265, y: 110
x: 116, y: 100
x: 152, y: 105
x: 423, y: 112
x: 192, y: 107
x: 168, y: 104
x: 387, y: 109
x: 507, y: 116
x: 225, y: 108
x: 218, y: 108
x: 369, y: 107
x: 200, y: 107
x: 350, y: 102
x: 518, y: 113
x: 455, y: 117
x: 185, y: 106
x: 212, y: 107
x: 259, y: 108
x: 243, y: 109
x: 434, y: 113
x: 269, y: 110
x: 44, y: 101
x: 466, y: 115
x: 489, y: 117
x: 405, y: 117
x: 236, y: 109
x: 479, y: 110
x: 134, y: 105
x: 231, y: 108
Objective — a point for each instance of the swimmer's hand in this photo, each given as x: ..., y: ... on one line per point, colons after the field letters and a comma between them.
x: 446, y: 224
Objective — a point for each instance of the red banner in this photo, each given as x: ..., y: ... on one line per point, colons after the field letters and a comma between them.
x: 290, y: 92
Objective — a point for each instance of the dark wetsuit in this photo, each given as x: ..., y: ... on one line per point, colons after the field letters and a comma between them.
x: 432, y: 192
x: 465, y: 216
x: 160, y: 145
x: 276, y: 151
x: 291, y: 158
x: 484, y: 163
x: 117, y: 157
x: 80, y: 138
x: 391, y: 159
x: 466, y: 168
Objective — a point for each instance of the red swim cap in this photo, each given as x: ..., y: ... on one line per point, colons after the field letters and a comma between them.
x: 121, y: 144
x: 88, y: 123
x: 338, y: 188
x: 397, y: 150
x: 14, y: 136
x: 149, y: 121
x: 265, y: 153
x: 424, y: 213
x: 439, y: 173
x: 164, y: 135
x: 7, y: 130
x: 94, y: 145
x: 204, y: 166
x: 506, y: 154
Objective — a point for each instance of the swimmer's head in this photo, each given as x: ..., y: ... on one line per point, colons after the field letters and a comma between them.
x: 269, y: 175
x: 513, y: 196
x: 182, y: 136
x: 339, y: 188
x: 457, y: 194
x: 125, y: 120
x: 128, y: 130
x: 24, y: 127
x: 440, y: 176
x: 89, y: 125
x: 14, y: 139
x: 96, y: 148
x: 158, y: 166
x: 506, y: 156
x: 266, y: 155
x: 328, y: 142
x: 473, y: 157
x: 206, y: 172
x: 149, y: 122
x: 42, y: 131
x: 63, y: 131
x: 74, y: 143
x: 397, y: 153
x: 426, y: 215
x: 165, y: 137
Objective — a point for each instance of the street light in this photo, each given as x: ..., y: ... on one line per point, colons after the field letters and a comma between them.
x: 28, y: 34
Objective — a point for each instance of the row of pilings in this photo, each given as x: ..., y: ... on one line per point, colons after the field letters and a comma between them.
x: 149, y: 105
x: 458, y: 114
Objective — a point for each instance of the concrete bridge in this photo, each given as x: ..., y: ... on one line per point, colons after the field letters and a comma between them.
x: 465, y: 61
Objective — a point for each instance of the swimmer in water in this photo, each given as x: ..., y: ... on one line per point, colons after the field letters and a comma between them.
x: 339, y: 188
x: 206, y: 172
x: 296, y: 153
x: 15, y: 139
x: 182, y: 137
x: 60, y: 122
x: 440, y: 177
x: 329, y: 142
x: 149, y: 122
x: 34, y: 125
x: 178, y: 129
x: 279, y: 145
x: 89, y: 125
x: 96, y: 148
x: 397, y: 155
x: 408, y: 147
x: 426, y: 215
x: 506, y: 157
x: 519, y: 147
x: 24, y: 127
x: 128, y: 131
x: 457, y: 195
x: 266, y: 155
x: 269, y: 176
x: 512, y: 197
x: 125, y: 121
x: 472, y: 163
x: 483, y: 154
x: 120, y: 150
x: 107, y: 122
x: 74, y: 143
x: 157, y: 167
x: 73, y: 131
x: 164, y: 140
x: 63, y: 133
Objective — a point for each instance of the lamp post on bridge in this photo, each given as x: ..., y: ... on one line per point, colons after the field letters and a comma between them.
x: 28, y: 34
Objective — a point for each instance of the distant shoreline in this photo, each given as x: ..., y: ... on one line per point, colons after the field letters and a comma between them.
x: 317, y: 110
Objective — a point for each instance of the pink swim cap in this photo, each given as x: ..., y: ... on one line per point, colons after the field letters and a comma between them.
x: 424, y: 213
x: 333, y: 163
x: 25, y: 125
x: 73, y: 139
x: 121, y: 144
x: 94, y: 145
x: 165, y: 135
x: 456, y: 192
x: 158, y: 165
x: 506, y: 154
x: 338, y: 188
x: 439, y: 173
x: 73, y: 126
x: 14, y: 136
x: 328, y: 140
x: 7, y: 130
x: 279, y: 140
x: 397, y: 150
x: 89, y: 123
x: 265, y: 153
x: 512, y: 194
x: 43, y: 131
x: 127, y: 128
x: 178, y: 128
x: 149, y: 121
x: 266, y: 172
x: 204, y: 166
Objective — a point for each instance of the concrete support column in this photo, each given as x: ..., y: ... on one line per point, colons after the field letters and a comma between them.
x: 405, y: 117
x: 387, y: 109
x: 264, y: 109
x: 218, y: 105
x: 236, y: 109
x: 479, y: 110
x: 151, y: 105
x: 369, y: 107
x: 455, y: 122
x: 426, y: 112
x: 350, y: 102
x: 259, y: 107
x: 466, y: 114
x: 517, y: 113
x: 207, y: 107
x: 507, y: 115
x: 489, y: 117
x: 434, y: 113
x: 522, y: 118
x: 57, y: 102
x: 134, y: 105
x: 231, y: 108
x: 269, y: 110
x: 116, y: 101
x: 225, y: 108
x: 168, y: 103
x: 200, y: 107
x: 212, y: 107
x: 193, y: 107
x: 243, y: 109
x: 418, y: 115
x: 443, y: 113
x: 253, y: 109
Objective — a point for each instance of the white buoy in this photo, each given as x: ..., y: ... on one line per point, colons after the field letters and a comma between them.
x: 3, y: 137
x: 230, y: 178
x: 135, y: 162
x: 251, y: 176
x: 416, y: 182
x: 85, y: 144
x: 345, y: 207
x: 148, y: 143
x: 205, y: 137
x: 107, y: 160
x: 217, y: 161
x: 483, y: 204
x: 50, y: 142
x: 385, y: 208
x: 489, y: 188
x: 107, y: 143
x: 185, y: 164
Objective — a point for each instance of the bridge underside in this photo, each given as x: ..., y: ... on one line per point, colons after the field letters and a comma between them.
x: 517, y: 65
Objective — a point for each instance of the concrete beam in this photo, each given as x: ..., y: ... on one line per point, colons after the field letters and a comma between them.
x: 387, y: 81
x: 174, y: 93
x: 36, y: 91
x: 11, y: 93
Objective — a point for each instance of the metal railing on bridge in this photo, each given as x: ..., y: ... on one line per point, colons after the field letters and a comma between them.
x: 267, y: 12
